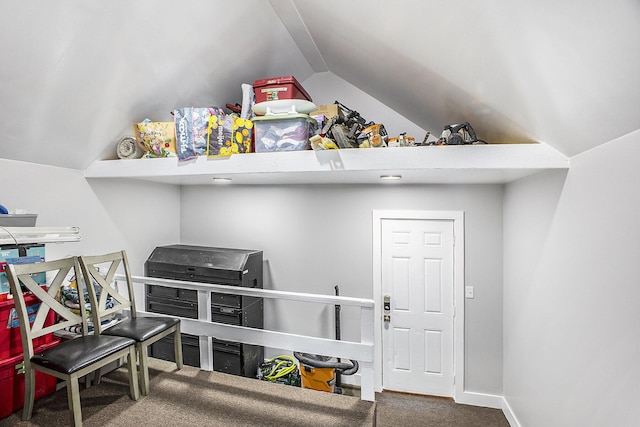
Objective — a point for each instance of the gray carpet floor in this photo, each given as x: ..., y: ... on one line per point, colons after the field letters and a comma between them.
x: 192, y: 397
x: 401, y: 409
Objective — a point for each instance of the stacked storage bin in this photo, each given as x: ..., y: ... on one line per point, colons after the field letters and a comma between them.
x: 224, y: 266
x: 284, y: 126
x: 11, y: 356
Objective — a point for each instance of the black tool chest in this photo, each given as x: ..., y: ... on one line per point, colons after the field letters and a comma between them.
x: 223, y: 266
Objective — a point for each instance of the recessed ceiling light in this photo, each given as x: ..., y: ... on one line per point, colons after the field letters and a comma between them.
x: 221, y: 180
x: 391, y: 177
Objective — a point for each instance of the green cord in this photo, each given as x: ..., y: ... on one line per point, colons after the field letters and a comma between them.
x: 276, y: 372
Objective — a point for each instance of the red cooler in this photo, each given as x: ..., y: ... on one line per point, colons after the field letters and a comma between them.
x: 10, y: 337
x: 12, y: 382
x: 277, y: 88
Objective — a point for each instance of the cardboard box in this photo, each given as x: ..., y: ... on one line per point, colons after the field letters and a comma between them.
x: 4, y: 281
x: 328, y: 111
x: 13, y: 254
x: 37, y: 251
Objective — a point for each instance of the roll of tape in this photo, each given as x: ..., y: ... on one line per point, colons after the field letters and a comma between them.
x: 127, y: 148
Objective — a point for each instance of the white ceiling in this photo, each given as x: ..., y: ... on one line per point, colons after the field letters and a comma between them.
x: 76, y: 75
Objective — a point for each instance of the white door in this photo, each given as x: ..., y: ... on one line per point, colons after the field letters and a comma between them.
x: 417, y: 276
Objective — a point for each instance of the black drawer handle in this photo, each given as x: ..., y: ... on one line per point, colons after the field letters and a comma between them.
x: 172, y: 305
x: 172, y: 310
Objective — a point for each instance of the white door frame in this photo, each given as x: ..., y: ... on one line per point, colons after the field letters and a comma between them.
x: 458, y: 287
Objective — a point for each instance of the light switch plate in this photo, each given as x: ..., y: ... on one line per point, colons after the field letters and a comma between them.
x: 468, y: 292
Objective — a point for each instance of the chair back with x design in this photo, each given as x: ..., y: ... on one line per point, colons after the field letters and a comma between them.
x: 71, y: 359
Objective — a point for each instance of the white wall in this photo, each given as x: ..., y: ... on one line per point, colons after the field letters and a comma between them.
x: 571, y: 317
x: 314, y: 237
x: 112, y: 215
x: 326, y: 88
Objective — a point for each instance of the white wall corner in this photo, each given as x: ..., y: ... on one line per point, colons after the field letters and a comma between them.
x: 480, y: 399
x: 489, y: 401
x: 508, y: 413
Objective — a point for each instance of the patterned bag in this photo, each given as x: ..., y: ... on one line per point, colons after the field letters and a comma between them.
x: 229, y: 134
x: 156, y: 139
x: 192, y: 127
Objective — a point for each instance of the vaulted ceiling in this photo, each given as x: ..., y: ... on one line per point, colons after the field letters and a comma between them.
x: 75, y: 75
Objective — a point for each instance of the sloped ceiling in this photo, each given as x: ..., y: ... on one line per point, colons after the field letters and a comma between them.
x: 75, y: 75
x: 562, y: 72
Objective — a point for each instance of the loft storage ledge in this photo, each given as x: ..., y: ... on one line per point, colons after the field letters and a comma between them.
x: 448, y: 157
x: 503, y: 163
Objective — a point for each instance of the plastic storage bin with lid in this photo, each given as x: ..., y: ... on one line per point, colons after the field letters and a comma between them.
x: 278, y: 88
x: 283, y: 132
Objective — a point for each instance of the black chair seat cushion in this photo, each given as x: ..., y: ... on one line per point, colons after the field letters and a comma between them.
x: 141, y: 328
x: 72, y: 355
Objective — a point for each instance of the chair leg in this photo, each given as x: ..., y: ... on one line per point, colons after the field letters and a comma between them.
x: 73, y: 397
x: 177, y: 344
x: 144, y: 368
x: 94, y: 378
x: 29, y: 393
x: 133, y: 374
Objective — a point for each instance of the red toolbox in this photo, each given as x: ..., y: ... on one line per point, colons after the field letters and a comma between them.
x: 10, y: 337
x: 277, y: 88
x: 12, y: 382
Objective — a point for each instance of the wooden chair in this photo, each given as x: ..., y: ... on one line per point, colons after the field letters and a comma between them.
x: 145, y: 331
x: 73, y: 358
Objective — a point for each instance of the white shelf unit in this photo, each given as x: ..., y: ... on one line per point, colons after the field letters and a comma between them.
x: 29, y: 235
x: 467, y: 164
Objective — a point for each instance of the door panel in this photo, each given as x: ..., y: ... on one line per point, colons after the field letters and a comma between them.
x: 417, y: 274
x: 433, y: 286
x: 402, y: 340
x: 433, y: 351
x: 401, y: 277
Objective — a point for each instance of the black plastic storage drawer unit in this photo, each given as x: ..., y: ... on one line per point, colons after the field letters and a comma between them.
x: 223, y: 266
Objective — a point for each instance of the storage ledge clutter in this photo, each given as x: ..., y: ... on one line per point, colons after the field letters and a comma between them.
x: 277, y: 114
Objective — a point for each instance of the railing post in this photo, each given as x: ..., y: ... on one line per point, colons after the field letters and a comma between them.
x: 206, y: 346
x: 367, y: 389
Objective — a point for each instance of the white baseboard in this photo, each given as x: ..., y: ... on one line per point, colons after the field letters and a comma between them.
x: 489, y: 401
x: 508, y: 413
x: 468, y: 398
x: 480, y: 399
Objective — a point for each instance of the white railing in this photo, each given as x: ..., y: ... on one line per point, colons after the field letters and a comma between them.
x: 362, y: 351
